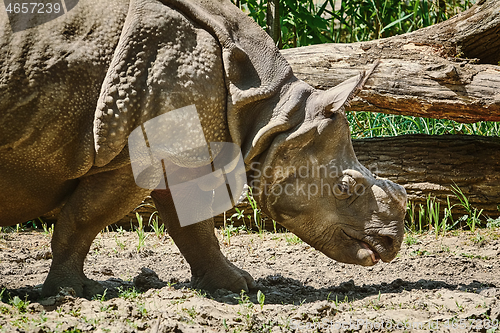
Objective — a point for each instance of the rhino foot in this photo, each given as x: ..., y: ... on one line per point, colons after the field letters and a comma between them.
x: 224, y: 276
x: 82, y: 286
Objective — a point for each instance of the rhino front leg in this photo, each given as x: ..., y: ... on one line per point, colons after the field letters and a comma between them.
x: 210, y: 269
x: 98, y: 201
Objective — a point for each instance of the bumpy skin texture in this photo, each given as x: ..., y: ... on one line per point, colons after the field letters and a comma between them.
x: 74, y: 88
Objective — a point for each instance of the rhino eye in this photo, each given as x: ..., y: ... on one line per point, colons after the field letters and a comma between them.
x: 344, y: 188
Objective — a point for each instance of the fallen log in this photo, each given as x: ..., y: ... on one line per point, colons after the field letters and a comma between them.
x: 448, y: 70
x: 430, y: 165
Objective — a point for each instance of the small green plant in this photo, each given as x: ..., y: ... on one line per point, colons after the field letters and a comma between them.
x: 244, y: 300
x: 433, y: 209
x: 410, y: 239
x: 246, y: 308
x: 239, y: 215
x: 257, y: 216
x: 99, y: 297
x: 477, y: 238
x: 142, y: 309
x: 493, y: 223
x: 1, y: 294
x: 473, y: 217
x: 228, y: 231
x: 140, y: 232
x: 118, y: 242
x: 261, y: 298
x: 49, y: 231
x: 120, y: 231
x: 129, y: 293
x: 191, y: 312
x: 75, y: 312
x: 20, y: 304
x: 420, y: 252
x: 293, y: 239
x: 158, y: 228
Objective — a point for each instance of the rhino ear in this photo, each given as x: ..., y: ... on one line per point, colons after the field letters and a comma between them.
x: 335, y: 99
x: 122, y: 106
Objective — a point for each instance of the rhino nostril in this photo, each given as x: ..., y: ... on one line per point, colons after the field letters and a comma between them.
x: 388, y: 241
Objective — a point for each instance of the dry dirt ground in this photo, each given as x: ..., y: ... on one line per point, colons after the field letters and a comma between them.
x: 448, y: 284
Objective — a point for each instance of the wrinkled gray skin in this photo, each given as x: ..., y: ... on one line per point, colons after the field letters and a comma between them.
x: 73, y: 89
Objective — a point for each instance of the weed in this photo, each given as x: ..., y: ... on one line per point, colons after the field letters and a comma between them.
x: 191, y: 311
x: 49, y: 231
x: 274, y: 226
x: 445, y: 248
x: 293, y: 240
x: 75, y: 312
x: 224, y: 324
x: 129, y: 293
x: 20, y: 304
x: 460, y: 307
x: 410, y: 240
x: 228, y: 231
x: 261, y: 298
x: 473, y: 256
x: 99, y: 297
x: 419, y: 252
x: 140, y: 233
x: 5, y: 310
x: 246, y: 308
x: 142, y: 309
x: 239, y: 215
x: 43, y: 317
x: 120, y: 231
x: 370, y: 124
x: 493, y: 223
x: 1, y: 294
x: 244, y: 300
x: 477, y: 238
x: 312, y: 22
x: 257, y: 216
x: 433, y: 208
x: 158, y: 228
x: 473, y: 218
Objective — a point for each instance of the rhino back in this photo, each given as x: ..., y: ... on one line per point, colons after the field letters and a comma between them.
x: 51, y: 75
x: 49, y: 84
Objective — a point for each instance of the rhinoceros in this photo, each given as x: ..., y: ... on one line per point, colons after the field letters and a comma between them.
x: 74, y: 88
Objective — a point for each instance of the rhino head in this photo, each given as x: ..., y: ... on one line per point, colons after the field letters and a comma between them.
x: 310, y: 181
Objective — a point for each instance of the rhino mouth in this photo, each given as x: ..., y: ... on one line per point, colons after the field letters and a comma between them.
x: 367, y: 247
x: 373, y: 254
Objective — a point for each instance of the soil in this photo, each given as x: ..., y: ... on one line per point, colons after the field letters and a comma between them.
x: 445, y: 284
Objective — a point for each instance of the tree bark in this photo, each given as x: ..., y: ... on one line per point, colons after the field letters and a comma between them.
x: 273, y: 21
x: 448, y: 70
x: 429, y: 165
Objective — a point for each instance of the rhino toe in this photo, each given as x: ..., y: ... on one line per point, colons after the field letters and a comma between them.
x: 227, y: 277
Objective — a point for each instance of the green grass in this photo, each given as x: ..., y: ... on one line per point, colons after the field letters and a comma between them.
x: 371, y: 124
x: 307, y: 22
x: 426, y: 217
x: 140, y: 233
